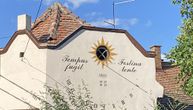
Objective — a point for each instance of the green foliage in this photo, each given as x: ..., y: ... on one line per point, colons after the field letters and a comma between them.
x: 58, y: 102
x: 82, y: 99
x: 171, y: 105
x: 186, y: 9
x: 182, y: 53
x: 71, y: 100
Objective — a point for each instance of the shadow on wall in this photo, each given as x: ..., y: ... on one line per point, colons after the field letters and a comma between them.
x: 168, y: 103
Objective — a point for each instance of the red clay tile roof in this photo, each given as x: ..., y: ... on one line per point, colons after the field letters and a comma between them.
x: 172, y: 86
x: 56, y: 23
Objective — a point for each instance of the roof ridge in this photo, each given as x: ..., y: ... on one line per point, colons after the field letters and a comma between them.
x: 56, y: 23
x: 64, y: 9
x: 56, y: 20
x: 46, y: 14
x: 70, y: 12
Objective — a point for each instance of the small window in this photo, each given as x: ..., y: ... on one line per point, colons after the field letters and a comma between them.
x: 21, y: 54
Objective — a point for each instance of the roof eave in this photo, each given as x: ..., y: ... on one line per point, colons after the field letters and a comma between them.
x: 54, y: 46
x: 20, y: 32
x: 93, y: 28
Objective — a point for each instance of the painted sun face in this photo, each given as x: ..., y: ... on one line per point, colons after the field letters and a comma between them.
x: 102, y: 53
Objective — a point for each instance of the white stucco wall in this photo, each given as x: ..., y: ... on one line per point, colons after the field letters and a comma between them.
x: 118, y: 87
x: 27, y: 72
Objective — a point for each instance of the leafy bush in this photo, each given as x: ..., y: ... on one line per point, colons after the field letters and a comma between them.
x: 167, y: 103
x: 71, y: 100
x: 182, y: 53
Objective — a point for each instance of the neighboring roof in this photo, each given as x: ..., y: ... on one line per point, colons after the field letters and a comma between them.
x: 172, y: 86
x: 57, y: 22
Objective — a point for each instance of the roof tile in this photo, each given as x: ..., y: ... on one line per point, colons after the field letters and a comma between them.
x: 168, y: 78
x: 56, y: 23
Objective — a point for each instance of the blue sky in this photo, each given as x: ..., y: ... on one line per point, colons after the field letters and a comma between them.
x: 151, y: 22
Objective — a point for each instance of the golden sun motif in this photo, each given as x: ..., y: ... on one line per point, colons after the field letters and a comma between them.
x: 103, y: 53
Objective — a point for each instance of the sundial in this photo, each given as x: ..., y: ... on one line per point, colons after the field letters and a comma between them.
x: 103, y: 52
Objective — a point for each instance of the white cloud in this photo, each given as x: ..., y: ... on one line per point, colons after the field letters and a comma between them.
x: 148, y: 23
x: 99, y: 23
x: 48, y: 2
x: 66, y: 5
x: 93, y: 14
x: 127, y: 23
x: 132, y: 21
x: 77, y: 3
x: 102, y: 22
x: 163, y: 57
x: 121, y: 23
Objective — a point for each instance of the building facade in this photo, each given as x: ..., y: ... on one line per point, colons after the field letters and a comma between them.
x: 61, y: 49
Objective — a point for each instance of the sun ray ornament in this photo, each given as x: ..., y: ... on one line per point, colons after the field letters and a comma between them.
x: 102, y: 53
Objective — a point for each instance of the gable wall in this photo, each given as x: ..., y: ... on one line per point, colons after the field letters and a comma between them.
x: 26, y: 72
x: 81, y: 44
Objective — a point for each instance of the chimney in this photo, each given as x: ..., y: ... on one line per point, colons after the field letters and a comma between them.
x: 24, y: 22
x: 158, y: 62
